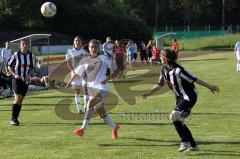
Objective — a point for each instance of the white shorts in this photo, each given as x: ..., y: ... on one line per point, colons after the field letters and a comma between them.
x: 77, y: 83
x: 93, y: 92
x: 238, y: 55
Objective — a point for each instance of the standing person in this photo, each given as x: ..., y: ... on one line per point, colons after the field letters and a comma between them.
x: 135, y: 50
x: 108, y: 47
x: 237, y: 51
x: 181, y: 82
x: 155, y: 55
x: 149, y: 49
x: 143, y: 52
x: 6, y: 54
x: 73, y: 58
x: 119, y: 58
x: 175, y: 46
x: 95, y: 67
x: 130, y: 53
x: 21, y: 66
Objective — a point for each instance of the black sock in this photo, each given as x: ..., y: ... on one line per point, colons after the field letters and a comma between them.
x: 189, y: 136
x: 15, y: 113
x: 18, y: 110
x: 181, y: 131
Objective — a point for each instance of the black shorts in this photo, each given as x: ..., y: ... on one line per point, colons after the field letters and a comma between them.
x: 19, y: 87
x: 185, y: 106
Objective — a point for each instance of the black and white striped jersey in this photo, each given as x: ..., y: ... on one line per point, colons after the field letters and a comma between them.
x: 22, y: 63
x: 179, y: 80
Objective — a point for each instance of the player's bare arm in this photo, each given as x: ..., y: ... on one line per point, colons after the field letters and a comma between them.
x: 112, y: 76
x: 155, y: 89
x: 212, y: 88
x: 13, y: 72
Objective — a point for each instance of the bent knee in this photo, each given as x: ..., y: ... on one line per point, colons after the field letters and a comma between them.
x: 176, y: 116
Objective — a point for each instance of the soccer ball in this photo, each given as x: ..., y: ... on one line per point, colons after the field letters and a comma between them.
x: 48, y: 9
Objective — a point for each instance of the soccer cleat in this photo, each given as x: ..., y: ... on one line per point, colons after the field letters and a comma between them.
x: 115, y: 131
x: 80, y: 112
x: 79, y: 132
x: 14, y: 122
x: 184, y: 146
x: 192, y: 148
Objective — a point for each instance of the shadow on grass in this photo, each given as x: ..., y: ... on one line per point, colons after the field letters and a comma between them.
x: 94, y: 124
x: 218, y: 59
x: 27, y: 110
x: 230, y: 153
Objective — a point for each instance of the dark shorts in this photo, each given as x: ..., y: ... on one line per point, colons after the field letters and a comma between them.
x: 19, y: 87
x: 185, y: 106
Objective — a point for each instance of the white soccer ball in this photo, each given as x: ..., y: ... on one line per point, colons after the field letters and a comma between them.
x: 48, y: 9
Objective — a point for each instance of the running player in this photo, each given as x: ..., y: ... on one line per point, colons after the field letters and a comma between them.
x: 73, y: 57
x: 181, y: 82
x: 95, y: 67
x: 237, y: 51
x: 21, y: 66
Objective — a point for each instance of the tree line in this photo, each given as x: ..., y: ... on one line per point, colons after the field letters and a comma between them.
x: 133, y: 19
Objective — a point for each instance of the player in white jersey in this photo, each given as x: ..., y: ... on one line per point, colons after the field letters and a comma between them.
x: 73, y: 57
x: 95, y: 67
x: 6, y: 54
x: 108, y: 46
x: 237, y: 51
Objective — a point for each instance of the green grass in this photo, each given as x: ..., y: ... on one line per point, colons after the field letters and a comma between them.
x: 214, y: 121
x: 213, y: 43
x: 217, y: 43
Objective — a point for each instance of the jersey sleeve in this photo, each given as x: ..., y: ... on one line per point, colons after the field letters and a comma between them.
x: 188, y: 76
x: 80, y: 69
x: 68, y: 55
x: 12, y: 61
x: 161, y: 81
x: 111, y: 64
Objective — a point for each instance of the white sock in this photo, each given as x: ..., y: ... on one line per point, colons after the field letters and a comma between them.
x: 85, y: 124
x: 108, y: 120
x: 85, y: 98
x: 78, y: 103
x: 238, y: 67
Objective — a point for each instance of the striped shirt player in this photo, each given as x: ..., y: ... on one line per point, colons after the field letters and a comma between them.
x: 181, y: 82
x: 21, y: 66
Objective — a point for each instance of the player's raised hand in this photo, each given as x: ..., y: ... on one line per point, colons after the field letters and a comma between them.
x: 214, y: 88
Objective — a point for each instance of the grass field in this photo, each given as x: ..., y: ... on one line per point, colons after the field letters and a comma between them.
x: 214, y: 121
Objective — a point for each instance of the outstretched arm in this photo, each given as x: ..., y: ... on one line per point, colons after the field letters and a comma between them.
x: 212, y: 88
x: 155, y: 88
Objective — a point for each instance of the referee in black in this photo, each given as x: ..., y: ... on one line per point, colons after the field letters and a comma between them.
x: 21, y: 67
x: 181, y: 82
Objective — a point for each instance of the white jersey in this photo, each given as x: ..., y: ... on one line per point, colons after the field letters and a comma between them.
x: 6, y: 54
x: 1, y: 59
x: 108, y: 47
x: 74, y: 56
x: 237, y: 49
x: 95, y: 69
